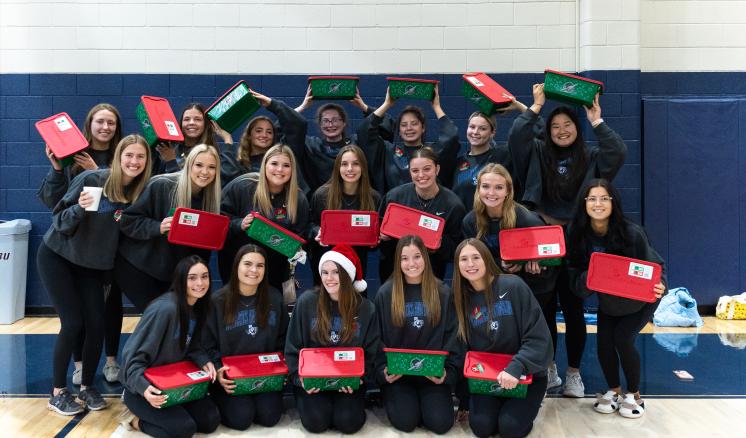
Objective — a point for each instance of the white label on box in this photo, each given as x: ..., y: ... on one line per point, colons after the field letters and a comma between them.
x: 197, y: 375
x: 546, y: 249
x: 190, y: 219
x: 640, y: 271
x: 171, y: 126
x: 269, y: 358
x: 475, y: 81
x: 63, y: 124
x: 429, y: 223
x: 360, y: 220
x: 344, y: 356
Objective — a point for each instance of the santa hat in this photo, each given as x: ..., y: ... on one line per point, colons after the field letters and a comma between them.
x: 346, y: 257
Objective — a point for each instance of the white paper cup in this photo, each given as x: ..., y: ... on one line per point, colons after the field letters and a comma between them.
x: 95, y: 192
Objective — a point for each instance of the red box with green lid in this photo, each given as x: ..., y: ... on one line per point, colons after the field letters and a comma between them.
x: 330, y: 369
x: 351, y: 227
x: 481, y: 370
x: 415, y: 362
x: 157, y: 120
x: 333, y: 87
x: 62, y: 136
x: 181, y: 381
x: 623, y: 276
x: 485, y: 93
x: 234, y: 107
x: 274, y: 236
x: 411, y: 88
x: 545, y: 244
x: 572, y: 89
x: 401, y: 220
x: 256, y: 373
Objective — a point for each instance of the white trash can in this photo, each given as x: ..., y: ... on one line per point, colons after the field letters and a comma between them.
x: 13, y: 266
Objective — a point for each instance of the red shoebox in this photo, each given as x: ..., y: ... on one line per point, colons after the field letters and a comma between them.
x: 532, y: 243
x: 623, y: 276
x: 256, y: 373
x: 491, y: 365
x: 158, y: 120
x: 352, y: 227
x: 485, y: 93
x: 331, y: 368
x: 62, y: 136
x: 198, y: 229
x: 401, y: 220
x: 181, y: 381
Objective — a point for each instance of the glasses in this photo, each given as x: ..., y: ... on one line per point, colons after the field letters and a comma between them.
x: 595, y: 199
x: 334, y: 121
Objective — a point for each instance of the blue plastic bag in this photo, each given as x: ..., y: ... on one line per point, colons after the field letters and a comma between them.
x: 677, y: 309
x: 681, y: 344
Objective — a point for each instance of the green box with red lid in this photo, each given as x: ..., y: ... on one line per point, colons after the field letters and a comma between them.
x: 274, y: 236
x: 234, y: 107
x: 481, y: 370
x: 256, y: 373
x: 157, y: 120
x: 545, y: 244
x: 485, y: 93
x: 62, y: 136
x: 411, y: 88
x: 182, y: 381
x: 333, y: 87
x: 415, y: 362
x: 330, y: 369
x: 572, y: 89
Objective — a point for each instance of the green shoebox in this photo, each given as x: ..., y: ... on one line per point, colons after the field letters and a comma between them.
x: 415, y: 362
x: 234, y: 107
x: 486, y: 94
x: 274, y: 236
x: 157, y: 120
x: 567, y: 88
x: 182, y: 381
x: 481, y: 370
x: 256, y: 373
x: 333, y: 87
x: 411, y: 88
x: 330, y: 369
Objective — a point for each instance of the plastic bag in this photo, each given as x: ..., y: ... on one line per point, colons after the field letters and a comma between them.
x: 731, y: 307
x: 677, y: 309
x: 681, y: 344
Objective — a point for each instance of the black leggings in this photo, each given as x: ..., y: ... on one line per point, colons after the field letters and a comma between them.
x: 326, y: 409
x: 510, y: 417
x: 112, y: 323
x: 616, y: 343
x: 572, y: 310
x: 78, y: 297
x: 548, y: 304
x: 139, y: 287
x: 175, y: 421
x: 411, y: 401
x: 240, y: 411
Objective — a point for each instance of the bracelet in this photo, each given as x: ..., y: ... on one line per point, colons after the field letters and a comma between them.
x: 597, y: 122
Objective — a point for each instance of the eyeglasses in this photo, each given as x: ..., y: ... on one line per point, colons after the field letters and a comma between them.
x: 334, y: 121
x: 595, y: 199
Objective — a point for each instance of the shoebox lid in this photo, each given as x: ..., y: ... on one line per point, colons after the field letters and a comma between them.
x: 352, y: 227
x: 532, y: 243
x: 485, y: 92
x: 331, y: 362
x: 157, y: 120
x: 623, y: 276
x: 486, y: 366
x: 274, y: 236
x: 255, y: 365
x: 176, y: 375
x: 61, y: 135
x: 400, y: 220
x: 198, y: 229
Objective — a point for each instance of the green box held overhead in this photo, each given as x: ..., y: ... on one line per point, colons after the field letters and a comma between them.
x: 234, y: 107
x: 333, y: 87
x: 567, y: 88
x: 411, y: 88
x: 486, y: 94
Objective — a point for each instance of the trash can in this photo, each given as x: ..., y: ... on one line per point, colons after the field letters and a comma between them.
x: 13, y: 264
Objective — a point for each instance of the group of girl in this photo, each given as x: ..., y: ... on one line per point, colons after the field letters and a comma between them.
x: 88, y: 258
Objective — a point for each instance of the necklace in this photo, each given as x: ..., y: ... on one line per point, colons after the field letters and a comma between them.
x: 424, y: 203
x: 348, y: 204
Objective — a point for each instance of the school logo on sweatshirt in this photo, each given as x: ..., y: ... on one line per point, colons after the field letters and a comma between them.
x: 247, y: 318
x: 479, y: 315
x: 398, y: 152
x: 416, y: 311
x: 336, y: 328
x: 418, y: 322
x: 280, y: 214
x: 252, y: 330
x: 464, y: 166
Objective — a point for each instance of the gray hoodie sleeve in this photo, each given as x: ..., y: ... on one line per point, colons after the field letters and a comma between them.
x: 53, y: 187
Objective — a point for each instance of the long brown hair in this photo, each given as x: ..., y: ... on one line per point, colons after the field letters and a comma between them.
x: 88, y: 134
x: 429, y: 285
x: 262, y: 200
x: 508, y: 219
x: 114, y: 189
x: 349, y: 302
x: 245, y: 147
x: 233, y: 294
x: 335, y: 185
x: 461, y: 286
x: 208, y: 135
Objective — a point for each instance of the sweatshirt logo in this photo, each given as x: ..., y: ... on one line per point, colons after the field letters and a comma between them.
x: 252, y: 330
x: 418, y: 323
x: 334, y: 337
x: 464, y: 166
x: 398, y: 152
x: 494, y: 325
x: 280, y: 213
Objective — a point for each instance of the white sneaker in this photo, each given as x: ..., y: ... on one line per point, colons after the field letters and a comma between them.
x: 553, y: 378
x: 607, y: 403
x: 573, y: 386
x: 631, y: 408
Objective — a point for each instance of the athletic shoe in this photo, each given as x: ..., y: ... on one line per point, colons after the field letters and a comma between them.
x: 573, y: 386
x: 64, y: 404
x: 607, y: 403
x: 77, y: 376
x: 111, y: 372
x: 553, y: 378
x: 91, y: 399
x: 631, y: 408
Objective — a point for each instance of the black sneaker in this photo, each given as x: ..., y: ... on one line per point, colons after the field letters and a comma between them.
x: 91, y: 399
x: 64, y: 403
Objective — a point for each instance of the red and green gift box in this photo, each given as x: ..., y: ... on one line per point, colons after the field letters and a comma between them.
x: 157, y: 120
x: 572, y: 89
x: 411, y: 88
x: 62, y: 136
x: 481, y: 370
x: 256, y: 373
x: 234, y: 107
x: 623, y: 276
x: 415, y: 362
x: 485, y: 93
x: 331, y: 369
x: 274, y: 236
x: 544, y: 244
x: 181, y: 381
x: 333, y: 87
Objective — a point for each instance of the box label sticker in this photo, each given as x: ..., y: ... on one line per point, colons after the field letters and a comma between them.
x: 190, y: 219
x: 640, y: 271
x: 344, y: 356
x: 360, y: 220
x: 269, y: 358
x: 547, y: 249
x: 197, y: 375
x: 475, y: 81
x: 429, y: 223
x: 63, y: 124
x: 171, y: 127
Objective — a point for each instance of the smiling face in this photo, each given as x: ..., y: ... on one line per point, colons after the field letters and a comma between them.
x: 424, y: 172
x: 563, y: 130
x: 471, y: 265
x: 493, y: 189
x: 278, y: 172
x: 193, y: 123
x: 103, y: 126
x: 330, y: 279
x: 411, y: 129
x: 598, y: 204
x: 251, y: 270
x: 134, y: 158
x: 262, y: 135
x: 332, y: 125
x: 412, y: 264
x: 350, y: 169
x: 198, y: 282
x: 203, y: 171
x: 479, y: 132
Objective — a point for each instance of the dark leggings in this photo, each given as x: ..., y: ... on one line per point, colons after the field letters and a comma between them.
x: 510, y: 417
x: 78, y: 297
x: 411, y: 401
x: 616, y: 343
x: 112, y: 322
x: 241, y: 411
x: 175, y: 421
x: 572, y: 310
x: 139, y: 287
x: 321, y: 411
x: 548, y: 304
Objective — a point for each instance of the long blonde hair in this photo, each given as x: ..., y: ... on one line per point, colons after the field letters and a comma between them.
x: 114, y: 189
x: 508, y: 219
x: 429, y: 285
x: 182, y: 196
x: 335, y: 185
x: 262, y: 201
